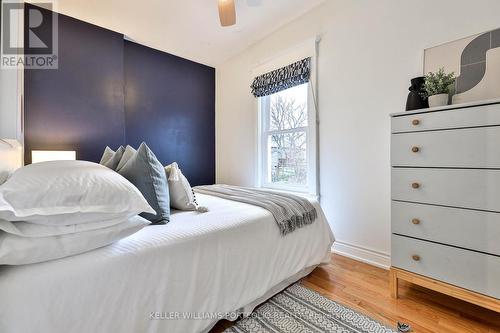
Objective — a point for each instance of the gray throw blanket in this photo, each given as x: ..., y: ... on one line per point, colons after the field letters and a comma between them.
x: 289, y: 211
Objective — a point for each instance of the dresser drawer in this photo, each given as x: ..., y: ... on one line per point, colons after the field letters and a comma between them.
x: 486, y: 115
x: 466, y: 188
x: 470, y: 229
x: 469, y: 148
x: 467, y: 269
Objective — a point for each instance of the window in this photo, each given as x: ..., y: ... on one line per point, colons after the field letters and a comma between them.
x: 287, y: 140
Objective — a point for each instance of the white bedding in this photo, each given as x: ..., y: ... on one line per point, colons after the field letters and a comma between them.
x: 200, y: 265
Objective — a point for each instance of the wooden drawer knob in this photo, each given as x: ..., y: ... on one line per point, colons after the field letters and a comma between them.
x: 415, y: 185
x: 415, y: 149
x: 415, y: 221
x: 415, y: 257
x: 415, y: 122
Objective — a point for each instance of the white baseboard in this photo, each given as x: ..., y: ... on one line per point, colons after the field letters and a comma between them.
x: 369, y: 256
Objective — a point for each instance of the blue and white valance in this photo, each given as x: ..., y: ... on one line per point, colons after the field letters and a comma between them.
x: 283, y: 78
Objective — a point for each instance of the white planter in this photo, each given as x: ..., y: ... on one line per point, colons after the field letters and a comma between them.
x: 438, y: 100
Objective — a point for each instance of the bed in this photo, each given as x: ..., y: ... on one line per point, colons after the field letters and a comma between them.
x: 177, y: 278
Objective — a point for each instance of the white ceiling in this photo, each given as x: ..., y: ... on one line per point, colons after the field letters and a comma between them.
x: 188, y: 28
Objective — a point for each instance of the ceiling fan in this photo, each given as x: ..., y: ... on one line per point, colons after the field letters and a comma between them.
x: 227, y: 11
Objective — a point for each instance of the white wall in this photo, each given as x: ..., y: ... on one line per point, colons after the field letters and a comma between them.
x: 11, y: 87
x: 369, y: 52
x: 10, y: 99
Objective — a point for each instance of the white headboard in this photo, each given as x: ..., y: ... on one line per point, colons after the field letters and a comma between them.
x: 11, y: 157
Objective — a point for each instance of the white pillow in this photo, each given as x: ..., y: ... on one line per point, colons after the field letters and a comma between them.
x: 26, y: 229
x: 16, y: 250
x: 69, y: 192
x: 182, y: 196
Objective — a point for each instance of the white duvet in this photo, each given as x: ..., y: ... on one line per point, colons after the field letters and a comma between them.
x: 174, y: 278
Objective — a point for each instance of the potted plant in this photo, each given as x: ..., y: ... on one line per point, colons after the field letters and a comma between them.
x: 438, y: 86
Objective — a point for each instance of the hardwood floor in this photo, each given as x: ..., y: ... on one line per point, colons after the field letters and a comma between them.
x: 365, y: 288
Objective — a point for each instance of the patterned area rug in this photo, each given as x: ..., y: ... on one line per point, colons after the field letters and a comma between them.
x: 300, y: 310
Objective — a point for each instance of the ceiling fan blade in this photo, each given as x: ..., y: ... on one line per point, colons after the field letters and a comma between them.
x: 227, y: 12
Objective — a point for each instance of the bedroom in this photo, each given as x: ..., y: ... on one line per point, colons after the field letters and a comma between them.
x: 337, y: 187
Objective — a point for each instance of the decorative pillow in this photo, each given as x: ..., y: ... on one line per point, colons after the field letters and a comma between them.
x: 127, y: 155
x: 16, y: 250
x: 182, y: 196
x: 107, y: 155
x: 69, y: 192
x: 112, y: 162
x: 145, y: 171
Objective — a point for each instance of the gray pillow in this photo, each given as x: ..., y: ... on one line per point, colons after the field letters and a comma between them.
x: 111, y: 159
x: 147, y: 174
x: 127, y: 155
x: 106, y: 156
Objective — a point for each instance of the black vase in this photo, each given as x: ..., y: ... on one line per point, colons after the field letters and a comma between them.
x: 415, y: 100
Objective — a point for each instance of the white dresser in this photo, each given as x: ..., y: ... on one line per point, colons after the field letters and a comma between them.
x: 446, y: 201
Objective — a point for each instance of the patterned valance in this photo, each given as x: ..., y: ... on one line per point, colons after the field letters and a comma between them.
x: 283, y: 78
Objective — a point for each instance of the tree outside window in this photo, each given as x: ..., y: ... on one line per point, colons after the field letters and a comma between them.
x: 285, y: 123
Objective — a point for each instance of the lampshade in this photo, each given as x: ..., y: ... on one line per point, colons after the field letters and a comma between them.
x: 227, y: 12
x: 38, y: 156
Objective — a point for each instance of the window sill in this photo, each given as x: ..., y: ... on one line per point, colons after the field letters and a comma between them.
x: 305, y: 195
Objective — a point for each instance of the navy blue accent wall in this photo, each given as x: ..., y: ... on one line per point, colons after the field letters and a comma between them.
x: 80, y: 105
x: 170, y: 104
x: 109, y: 92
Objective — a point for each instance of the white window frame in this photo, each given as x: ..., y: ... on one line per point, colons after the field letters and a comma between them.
x: 311, y: 150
